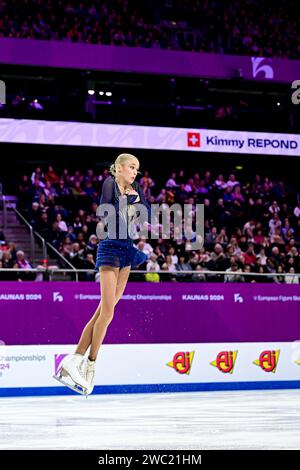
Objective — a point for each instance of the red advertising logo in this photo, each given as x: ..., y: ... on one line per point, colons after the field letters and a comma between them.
x: 268, y: 361
x: 182, y: 362
x: 225, y: 361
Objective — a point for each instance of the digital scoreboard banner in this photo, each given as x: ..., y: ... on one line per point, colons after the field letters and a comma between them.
x: 147, y: 137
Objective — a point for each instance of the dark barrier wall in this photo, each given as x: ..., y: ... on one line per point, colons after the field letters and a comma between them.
x: 141, y: 60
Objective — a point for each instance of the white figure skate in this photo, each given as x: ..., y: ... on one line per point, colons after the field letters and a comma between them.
x: 74, y: 368
x: 89, y: 369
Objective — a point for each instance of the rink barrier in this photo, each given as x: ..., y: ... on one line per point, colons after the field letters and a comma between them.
x: 153, y: 388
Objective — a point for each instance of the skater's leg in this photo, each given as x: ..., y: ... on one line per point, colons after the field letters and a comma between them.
x: 87, y: 333
x: 123, y: 276
x: 107, y: 306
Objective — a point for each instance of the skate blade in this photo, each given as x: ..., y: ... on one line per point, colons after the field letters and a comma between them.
x: 74, y: 387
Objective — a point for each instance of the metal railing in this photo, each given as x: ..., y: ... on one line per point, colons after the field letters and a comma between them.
x: 51, y: 247
x: 33, y: 234
x: 209, y: 274
x: 2, y: 198
x: 31, y: 231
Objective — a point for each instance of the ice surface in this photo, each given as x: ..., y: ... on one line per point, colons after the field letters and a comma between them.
x: 190, y: 420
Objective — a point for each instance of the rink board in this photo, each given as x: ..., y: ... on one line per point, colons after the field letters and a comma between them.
x: 163, y: 337
x: 44, y: 313
x: 134, y: 368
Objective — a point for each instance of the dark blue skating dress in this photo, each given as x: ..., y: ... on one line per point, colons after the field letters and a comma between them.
x: 117, y: 251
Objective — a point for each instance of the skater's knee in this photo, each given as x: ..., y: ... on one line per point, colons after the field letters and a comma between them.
x: 106, y: 315
x: 106, y: 319
x: 108, y: 305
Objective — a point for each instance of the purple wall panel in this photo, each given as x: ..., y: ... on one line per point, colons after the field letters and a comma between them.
x: 142, y: 60
x: 220, y: 313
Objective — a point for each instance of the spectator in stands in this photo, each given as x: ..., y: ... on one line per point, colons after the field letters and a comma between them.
x: 201, y: 189
x: 51, y: 176
x: 220, y: 261
x: 24, y: 190
x: 160, y: 255
x: 291, y: 278
x: 62, y: 190
x: 171, y: 252
x: 234, y: 268
x: 237, y: 194
x: 170, y: 264
x: 162, y: 196
x: 152, y: 264
x: 145, y: 247
x: 274, y: 223
x: 77, y: 189
x: 37, y: 175
x: 261, y: 257
x: 147, y: 183
x: 222, y: 238
x: 228, y: 195
x: 190, y: 186
x: 211, y: 236
x: 232, y: 181
x: 23, y: 264
x: 279, y: 279
x: 274, y: 208
x: 43, y: 226
x: 250, y: 256
x: 297, y: 211
x: 197, y: 275
x: 258, y: 237
x: 6, y: 259
x: 11, y: 248
x: 220, y: 183
x: 49, y: 190
x: 181, y: 194
x: 88, y: 262
x: 61, y: 223
x: 166, y: 276
x: 171, y: 183
x: 248, y: 269
x: 183, y: 265
x: 276, y: 237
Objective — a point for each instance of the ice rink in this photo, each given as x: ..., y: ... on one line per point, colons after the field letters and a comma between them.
x: 263, y: 419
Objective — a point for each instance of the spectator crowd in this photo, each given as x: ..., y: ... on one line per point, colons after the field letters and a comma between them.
x: 252, y: 225
x: 252, y: 27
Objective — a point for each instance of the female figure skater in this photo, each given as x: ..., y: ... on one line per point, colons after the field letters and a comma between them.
x: 115, y: 257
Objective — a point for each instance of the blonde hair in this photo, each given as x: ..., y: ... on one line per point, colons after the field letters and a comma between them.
x: 120, y: 160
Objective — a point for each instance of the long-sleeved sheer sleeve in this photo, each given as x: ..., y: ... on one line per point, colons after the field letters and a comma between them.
x: 107, y: 197
x: 107, y: 191
x: 144, y: 202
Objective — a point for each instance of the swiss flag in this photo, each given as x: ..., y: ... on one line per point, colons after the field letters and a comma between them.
x: 193, y: 139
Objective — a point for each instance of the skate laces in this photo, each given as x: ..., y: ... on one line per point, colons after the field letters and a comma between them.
x: 81, y: 369
x: 90, y: 370
x: 90, y: 366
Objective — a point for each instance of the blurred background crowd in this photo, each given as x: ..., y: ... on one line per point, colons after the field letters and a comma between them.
x: 256, y: 28
x: 252, y: 225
